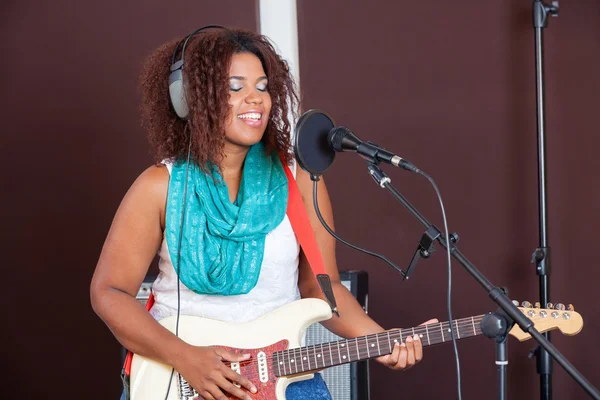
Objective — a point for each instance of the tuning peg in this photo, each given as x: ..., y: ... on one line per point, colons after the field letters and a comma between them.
x: 559, y: 306
x: 537, y: 304
x: 570, y: 307
x: 549, y: 305
x: 526, y: 304
x: 516, y: 303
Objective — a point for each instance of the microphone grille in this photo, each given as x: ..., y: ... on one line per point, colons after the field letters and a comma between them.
x: 336, y: 136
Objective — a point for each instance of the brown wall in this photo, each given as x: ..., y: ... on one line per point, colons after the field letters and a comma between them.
x: 72, y: 146
x: 450, y: 86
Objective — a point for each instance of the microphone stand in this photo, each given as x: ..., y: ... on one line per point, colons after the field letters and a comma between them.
x: 541, y: 256
x: 509, y: 311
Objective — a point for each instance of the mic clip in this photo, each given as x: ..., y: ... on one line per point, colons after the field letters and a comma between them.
x: 377, y: 174
x: 424, y: 249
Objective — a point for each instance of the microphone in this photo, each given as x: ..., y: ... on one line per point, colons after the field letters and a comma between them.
x: 343, y: 139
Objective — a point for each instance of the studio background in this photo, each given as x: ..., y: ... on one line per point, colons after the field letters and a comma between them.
x: 448, y: 85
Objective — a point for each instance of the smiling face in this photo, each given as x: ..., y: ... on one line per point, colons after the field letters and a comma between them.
x: 249, y: 100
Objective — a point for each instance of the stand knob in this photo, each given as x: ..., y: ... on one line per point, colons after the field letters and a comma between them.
x: 554, y: 9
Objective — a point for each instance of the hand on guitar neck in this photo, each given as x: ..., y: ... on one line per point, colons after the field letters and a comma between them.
x: 406, y: 354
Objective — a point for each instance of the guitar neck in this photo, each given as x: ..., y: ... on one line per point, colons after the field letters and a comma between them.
x: 311, y: 358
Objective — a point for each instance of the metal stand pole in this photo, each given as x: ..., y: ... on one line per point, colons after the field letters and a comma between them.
x: 541, y: 256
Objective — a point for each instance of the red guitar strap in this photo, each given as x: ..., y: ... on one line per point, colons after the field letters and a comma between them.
x: 298, y: 217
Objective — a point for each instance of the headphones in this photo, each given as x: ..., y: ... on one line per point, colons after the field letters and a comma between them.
x: 176, y: 85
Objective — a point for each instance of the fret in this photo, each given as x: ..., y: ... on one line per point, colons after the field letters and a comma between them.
x: 282, y: 362
x: 357, y: 350
x: 330, y: 353
x: 442, y: 330
x: 348, y: 350
x: 427, y: 331
x: 368, y: 351
x: 308, y: 358
x: 278, y: 364
x: 389, y: 341
x: 315, y: 354
x: 289, y: 361
x: 378, y: 348
x: 321, y: 355
x: 473, y: 322
x: 400, y: 330
x: 457, y: 331
x: 339, y: 352
x: 296, y: 360
x: 413, y: 329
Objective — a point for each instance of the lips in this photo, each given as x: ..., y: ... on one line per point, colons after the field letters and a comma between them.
x: 251, y: 118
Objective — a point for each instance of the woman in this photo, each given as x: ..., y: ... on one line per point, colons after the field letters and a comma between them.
x: 233, y: 129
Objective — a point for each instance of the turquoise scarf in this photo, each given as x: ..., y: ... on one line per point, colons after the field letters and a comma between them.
x: 223, y: 243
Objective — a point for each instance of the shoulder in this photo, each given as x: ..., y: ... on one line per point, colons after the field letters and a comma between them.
x: 154, y: 181
x: 149, y: 190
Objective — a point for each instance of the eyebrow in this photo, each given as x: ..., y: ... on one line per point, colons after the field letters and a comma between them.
x: 242, y: 78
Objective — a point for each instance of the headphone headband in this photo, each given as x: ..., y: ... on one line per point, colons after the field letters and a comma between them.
x: 176, y: 85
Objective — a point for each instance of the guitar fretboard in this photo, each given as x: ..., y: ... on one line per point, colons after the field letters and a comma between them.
x: 315, y: 357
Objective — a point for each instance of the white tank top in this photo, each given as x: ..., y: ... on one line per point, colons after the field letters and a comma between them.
x: 277, y: 283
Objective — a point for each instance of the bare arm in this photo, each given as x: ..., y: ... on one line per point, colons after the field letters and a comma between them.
x: 132, y: 242
x: 353, y: 321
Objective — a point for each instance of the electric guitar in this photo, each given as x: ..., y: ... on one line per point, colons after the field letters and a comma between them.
x: 278, y: 359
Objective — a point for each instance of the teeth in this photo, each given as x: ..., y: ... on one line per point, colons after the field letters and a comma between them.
x: 255, y: 116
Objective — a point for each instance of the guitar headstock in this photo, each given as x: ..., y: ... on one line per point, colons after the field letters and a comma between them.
x: 556, y: 316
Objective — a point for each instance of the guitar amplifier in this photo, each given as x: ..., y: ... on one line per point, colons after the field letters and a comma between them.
x: 345, y: 382
x: 348, y: 381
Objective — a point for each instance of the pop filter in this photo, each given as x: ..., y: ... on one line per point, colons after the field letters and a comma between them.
x: 311, y: 147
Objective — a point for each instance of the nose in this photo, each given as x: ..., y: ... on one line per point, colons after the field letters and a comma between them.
x: 254, y: 97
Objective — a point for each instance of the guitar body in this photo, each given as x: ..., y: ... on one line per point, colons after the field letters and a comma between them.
x: 275, y: 331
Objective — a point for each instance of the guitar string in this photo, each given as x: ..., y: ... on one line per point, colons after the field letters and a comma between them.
x: 432, y: 329
x: 311, y: 351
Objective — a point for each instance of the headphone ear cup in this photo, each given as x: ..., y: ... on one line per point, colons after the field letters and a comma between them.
x: 177, y: 91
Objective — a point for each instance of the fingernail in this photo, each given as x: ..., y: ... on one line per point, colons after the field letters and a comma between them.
x: 246, y: 355
x: 409, y: 339
x: 416, y: 337
x: 403, y: 344
x: 253, y: 389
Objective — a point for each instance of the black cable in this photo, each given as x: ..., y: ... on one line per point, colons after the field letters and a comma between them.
x: 315, y: 179
x: 439, y: 196
x: 177, y: 269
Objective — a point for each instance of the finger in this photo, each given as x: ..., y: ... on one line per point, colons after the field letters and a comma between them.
x: 395, y: 356
x: 231, y: 356
x: 418, y: 348
x: 410, y: 348
x: 213, y: 392
x: 402, y: 356
x: 230, y: 388
x: 205, y: 396
x: 239, y: 379
x: 431, y: 321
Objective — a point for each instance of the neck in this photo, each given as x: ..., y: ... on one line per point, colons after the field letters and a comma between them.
x: 233, y: 160
x: 312, y: 358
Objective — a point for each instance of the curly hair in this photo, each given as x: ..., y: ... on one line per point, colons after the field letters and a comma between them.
x: 206, y: 72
